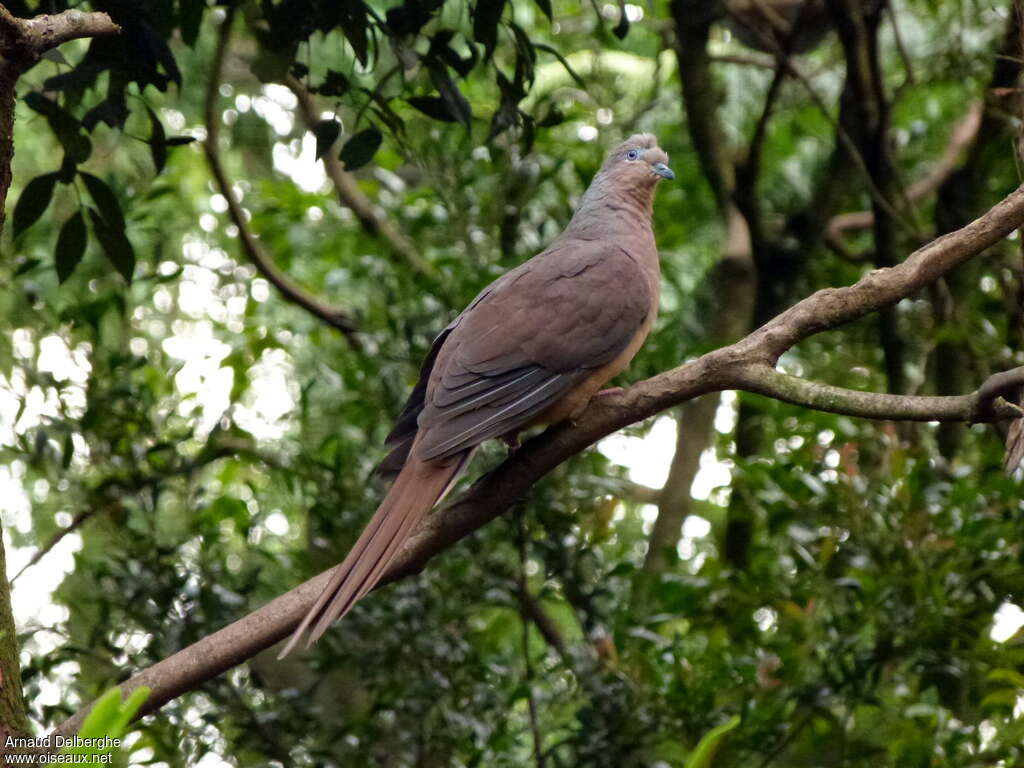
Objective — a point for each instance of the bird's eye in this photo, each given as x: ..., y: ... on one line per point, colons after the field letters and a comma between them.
x: 632, y: 154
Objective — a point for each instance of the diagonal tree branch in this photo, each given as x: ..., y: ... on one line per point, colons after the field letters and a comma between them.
x: 23, y: 41
x: 726, y: 368
x: 252, y: 247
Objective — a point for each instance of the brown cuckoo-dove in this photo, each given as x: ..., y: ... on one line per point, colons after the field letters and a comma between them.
x: 532, y: 348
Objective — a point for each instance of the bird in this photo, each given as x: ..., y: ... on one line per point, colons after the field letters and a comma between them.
x: 532, y: 348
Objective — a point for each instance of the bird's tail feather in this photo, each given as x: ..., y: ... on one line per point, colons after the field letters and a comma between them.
x: 417, y: 489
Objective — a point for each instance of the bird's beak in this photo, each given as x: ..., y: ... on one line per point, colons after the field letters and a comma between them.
x: 664, y: 171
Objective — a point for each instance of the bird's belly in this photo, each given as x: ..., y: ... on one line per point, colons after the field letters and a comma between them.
x: 572, y: 405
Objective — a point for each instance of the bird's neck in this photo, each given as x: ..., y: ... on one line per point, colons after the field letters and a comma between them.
x: 607, y: 212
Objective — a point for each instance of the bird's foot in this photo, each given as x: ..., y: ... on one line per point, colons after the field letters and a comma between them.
x: 511, y: 440
x: 610, y: 391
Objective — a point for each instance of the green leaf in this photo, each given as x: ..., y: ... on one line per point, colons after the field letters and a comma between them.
x: 526, y: 57
x: 552, y: 117
x: 190, y: 19
x: 440, y: 48
x: 105, y: 200
x: 1008, y: 676
x: 561, y: 60
x: 70, y: 246
x: 409, y: 17
x: 102, y: 715
x: 1003, y: 699
x: 270, y: 67
x: 434, y: 107
x: 33, y: 201
x: 55, y: 56
x: 157, y: 141
x: 486, y: 16
x: 26, y: 266
x: 115, y: 245
x: 508, y: 110
x: 453, y: 98
x: 61, y: 121
x: 382, y: 109
x: 361, y: 148
x: 227, y: 508
x: 64, y: 125
x: 326, y: 133
x: 621, y: 29
x: 708, y: 746
x: 109, y: 717
x: 354, y: 26
x: 334, y: 84
x: 68, y: 169
x: 67, y: 451
x: 77, y: 148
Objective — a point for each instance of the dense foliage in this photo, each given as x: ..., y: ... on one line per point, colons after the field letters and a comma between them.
x: 203, y: 445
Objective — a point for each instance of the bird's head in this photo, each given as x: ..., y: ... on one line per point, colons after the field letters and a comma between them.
x: 638, y: 161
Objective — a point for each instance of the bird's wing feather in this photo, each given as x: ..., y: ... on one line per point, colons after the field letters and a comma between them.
x: 528, y: 341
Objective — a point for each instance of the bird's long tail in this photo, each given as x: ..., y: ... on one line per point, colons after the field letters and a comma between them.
x: 419, y: 486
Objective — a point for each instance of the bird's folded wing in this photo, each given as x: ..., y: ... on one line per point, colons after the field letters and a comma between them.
x: 526, y: 343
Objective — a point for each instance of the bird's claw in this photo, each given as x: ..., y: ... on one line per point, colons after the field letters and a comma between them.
x: 511, y: 440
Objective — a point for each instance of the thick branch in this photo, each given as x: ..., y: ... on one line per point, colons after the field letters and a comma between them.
x: 496, y: 491
x: 252, y: 247
x: 23, y: 41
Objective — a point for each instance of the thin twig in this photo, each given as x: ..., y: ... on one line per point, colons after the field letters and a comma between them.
x: 351, y: 196
x: 761, y: 62
x: 963, y: 135
x: 252, y: 247
x: 749, y: 171
x: 851, y: 147
x: 57, y: 538
x: 983, y: 405
x: 908, y: 66
x: 544, y: 623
